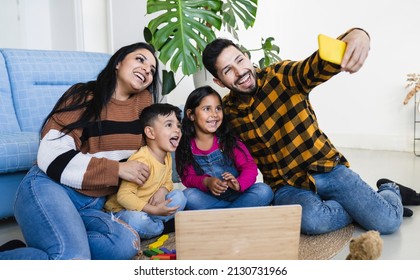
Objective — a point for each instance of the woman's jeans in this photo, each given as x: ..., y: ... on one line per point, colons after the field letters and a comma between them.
x: 342, y: 196
x: 147, y: 225
x: 215, y: 164
x: 60, y: 223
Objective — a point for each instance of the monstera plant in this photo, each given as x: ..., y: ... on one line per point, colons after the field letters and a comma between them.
x: 181, y: 30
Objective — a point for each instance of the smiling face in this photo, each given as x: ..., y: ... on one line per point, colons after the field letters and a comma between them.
x: 208, y: 116
x: 165, y: 132
x: 235, y: 71
x: 134, y: 73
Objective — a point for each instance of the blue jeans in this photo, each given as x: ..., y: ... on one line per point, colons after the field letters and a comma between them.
x: 60, y: 223
x: 258, y: 194
x: 343, y: 197
x: 147, y: 225
x: 215, y: 164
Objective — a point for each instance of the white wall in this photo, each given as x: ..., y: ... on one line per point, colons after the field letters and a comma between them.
x: 361, y: 110
x: 364, y: 109
x: 55, y: 24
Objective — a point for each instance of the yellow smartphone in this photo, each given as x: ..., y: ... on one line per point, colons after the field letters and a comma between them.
x: 330, y: 49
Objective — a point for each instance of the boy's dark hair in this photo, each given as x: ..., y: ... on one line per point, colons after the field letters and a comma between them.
x: 212, y: 51
x: 150, y: 113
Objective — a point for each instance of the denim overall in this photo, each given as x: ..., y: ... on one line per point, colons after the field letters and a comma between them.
x: 215, y: 164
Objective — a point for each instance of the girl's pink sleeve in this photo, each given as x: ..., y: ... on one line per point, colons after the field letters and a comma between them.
x: 190, y: 179
x: 247, y: 168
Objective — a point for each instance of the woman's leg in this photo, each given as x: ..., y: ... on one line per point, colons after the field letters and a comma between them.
x: 50, y: 223
x: 259, y: 194
x: 109, y: 238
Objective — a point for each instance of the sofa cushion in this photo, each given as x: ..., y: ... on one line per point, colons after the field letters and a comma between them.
x: 39, y: 78
x: 8, y: 121
x: 18, y: 151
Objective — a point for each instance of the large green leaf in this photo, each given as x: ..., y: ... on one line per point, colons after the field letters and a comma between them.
x: 182, y: 30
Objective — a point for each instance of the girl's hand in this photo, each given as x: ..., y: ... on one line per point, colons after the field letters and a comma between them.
x: 231, y: 181
x: 134, y: 171
x: 215, y: 185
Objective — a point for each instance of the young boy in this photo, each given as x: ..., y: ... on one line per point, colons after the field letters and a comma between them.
x: 146, y: 207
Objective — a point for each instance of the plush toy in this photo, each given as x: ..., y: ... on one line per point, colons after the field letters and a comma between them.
x: 367, y: 246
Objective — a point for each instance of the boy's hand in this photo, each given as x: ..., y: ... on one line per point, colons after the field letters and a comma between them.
x: 161, y: 209
x: 231, y: 181
x: 215, y: 185
x: 158, y: 196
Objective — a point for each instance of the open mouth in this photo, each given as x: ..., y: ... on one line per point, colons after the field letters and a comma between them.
x: 140, y: 76
x: 245, y: 78
x: 174, y: 141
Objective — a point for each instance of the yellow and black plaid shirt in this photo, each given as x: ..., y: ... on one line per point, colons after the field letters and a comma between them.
x: 279, y: 126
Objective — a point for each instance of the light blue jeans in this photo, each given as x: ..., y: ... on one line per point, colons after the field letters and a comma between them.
x: 147, y: 225
x: 343, y: 197
x: 215, y: 164
x: 59, y: 223
x: 258, y: 194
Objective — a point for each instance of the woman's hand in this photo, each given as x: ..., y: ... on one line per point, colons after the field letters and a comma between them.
x: 134, y: 171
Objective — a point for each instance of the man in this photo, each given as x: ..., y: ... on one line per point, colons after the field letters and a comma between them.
x: 270, y: 111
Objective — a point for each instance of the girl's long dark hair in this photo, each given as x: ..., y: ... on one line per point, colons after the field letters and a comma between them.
x: 227, y: 140
x: 93, y: 96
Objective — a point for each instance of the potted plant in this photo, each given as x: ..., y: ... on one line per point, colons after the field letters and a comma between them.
x: 182, y: 28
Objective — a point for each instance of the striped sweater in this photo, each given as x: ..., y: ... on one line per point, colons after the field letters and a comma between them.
x: 85, y: 160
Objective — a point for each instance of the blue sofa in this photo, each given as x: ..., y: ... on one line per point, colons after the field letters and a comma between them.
x: 31, y: 81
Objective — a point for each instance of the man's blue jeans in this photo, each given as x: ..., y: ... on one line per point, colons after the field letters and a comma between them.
x: 60, y: 223
x: 343, y: 197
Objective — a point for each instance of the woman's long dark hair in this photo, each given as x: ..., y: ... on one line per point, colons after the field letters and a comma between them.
x: 93, y: 96
x: 227, y: 140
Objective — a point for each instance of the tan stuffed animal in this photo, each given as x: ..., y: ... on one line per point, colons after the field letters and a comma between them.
x: 367, y: 246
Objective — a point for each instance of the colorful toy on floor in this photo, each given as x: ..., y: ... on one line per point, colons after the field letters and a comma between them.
x: 158, y: 243
x: 163, y: 257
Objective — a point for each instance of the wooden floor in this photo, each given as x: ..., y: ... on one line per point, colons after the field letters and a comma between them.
x: 371, y: 165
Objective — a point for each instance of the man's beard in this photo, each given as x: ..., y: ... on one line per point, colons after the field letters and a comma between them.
x: 249, y: 91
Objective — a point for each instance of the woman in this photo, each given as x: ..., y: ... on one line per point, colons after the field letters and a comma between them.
x: 85, y: 139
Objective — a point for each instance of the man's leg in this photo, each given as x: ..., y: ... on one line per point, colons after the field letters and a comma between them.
x: 380, y: 210
x: 318, y: 215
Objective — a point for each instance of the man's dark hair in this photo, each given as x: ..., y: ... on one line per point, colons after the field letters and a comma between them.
x: 150, y: 113
x: 212, y: 52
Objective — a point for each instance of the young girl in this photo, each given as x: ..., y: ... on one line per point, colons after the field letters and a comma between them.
x: 213, y: 164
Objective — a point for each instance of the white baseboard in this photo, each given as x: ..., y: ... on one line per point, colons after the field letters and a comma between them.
x: 373, y: 142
